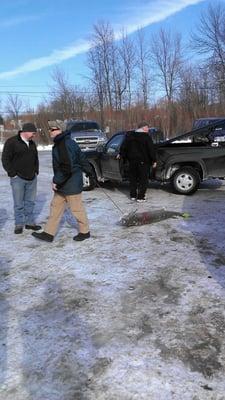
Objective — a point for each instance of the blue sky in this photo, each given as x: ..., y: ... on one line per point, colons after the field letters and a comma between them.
x: 39, y: 34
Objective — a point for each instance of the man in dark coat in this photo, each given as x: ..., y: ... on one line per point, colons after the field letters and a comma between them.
x: 68, y: 164
x: 139, y: 150
x: 20, y: 160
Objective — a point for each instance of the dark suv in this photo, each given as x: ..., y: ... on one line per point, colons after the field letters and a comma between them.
x: 87, y: 133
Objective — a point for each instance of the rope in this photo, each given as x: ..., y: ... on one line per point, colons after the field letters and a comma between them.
x: 110, y: 198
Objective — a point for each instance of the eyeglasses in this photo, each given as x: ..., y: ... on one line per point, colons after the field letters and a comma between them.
x: 53, y: 129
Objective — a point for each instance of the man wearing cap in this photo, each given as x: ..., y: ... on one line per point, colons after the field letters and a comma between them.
x: 68, y: 163
x: 20, y: 160
x: 139, y: 150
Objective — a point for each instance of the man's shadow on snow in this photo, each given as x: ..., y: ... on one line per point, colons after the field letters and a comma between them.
x: 3, y: 217
x: 207, y: 224
x: 4, y: 315
x: 41, y: 202
x: 58, y: 353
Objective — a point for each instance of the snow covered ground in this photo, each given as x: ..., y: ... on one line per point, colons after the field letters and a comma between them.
x: 130, y: 314
x: 40, y: 147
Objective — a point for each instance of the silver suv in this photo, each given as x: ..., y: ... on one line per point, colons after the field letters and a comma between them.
x: 87, y: 133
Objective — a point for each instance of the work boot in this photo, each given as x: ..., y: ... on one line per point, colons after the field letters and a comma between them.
x: 43, y: 236
x: 81, y: 236
x: 33, y: 227
x: 18, y: 229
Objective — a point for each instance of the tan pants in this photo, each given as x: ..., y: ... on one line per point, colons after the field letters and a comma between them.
x: 57, y: 208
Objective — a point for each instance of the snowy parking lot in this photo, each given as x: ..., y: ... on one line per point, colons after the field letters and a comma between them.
x: 132, y: 313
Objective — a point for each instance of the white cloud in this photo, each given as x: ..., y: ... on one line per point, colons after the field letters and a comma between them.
x: 18, y: 20
x: 143, y: 16
x: 56, y: 57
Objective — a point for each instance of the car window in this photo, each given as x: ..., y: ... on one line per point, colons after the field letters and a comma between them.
x: 114, y: 144
x: 156, y: 135
x: 201, y: 139
x: 201, y: 123
x: 217, y: 134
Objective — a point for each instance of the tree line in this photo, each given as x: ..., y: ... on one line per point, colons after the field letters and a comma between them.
x: 155, y: 77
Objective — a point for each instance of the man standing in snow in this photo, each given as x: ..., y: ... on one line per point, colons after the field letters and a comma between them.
x: 68, y: 163
x: 20, y: 160
x: 139, y: 150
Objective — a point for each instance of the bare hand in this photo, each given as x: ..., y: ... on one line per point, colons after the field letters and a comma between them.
x: 54, y: 186
x: 118, y: 157
x: 154, y: 164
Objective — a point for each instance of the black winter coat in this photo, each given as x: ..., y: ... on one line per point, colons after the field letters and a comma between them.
x: 19, y: 159
x: 68, y: 163
x: 138, y: 146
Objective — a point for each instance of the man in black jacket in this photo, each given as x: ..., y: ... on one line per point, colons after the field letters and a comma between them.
x: 20, y: 160
x: 68, y: 163
x: 139, y: 150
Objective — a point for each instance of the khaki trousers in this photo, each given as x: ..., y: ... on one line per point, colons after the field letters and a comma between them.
x: 57, y: 208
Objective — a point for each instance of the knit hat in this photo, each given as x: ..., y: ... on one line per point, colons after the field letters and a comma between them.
x: 28, y: 127
x: 142, y: 124
x: 57, y: 124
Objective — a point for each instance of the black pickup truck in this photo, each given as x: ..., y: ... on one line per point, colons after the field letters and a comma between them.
x: 184, y: 161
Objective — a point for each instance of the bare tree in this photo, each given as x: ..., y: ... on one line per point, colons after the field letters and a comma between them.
x: 107, y: 71
x: 66, y: 100
x: 119, y: 80
x: 167, y: 57
x: 128, y: 59
x: 209, y: 40
x: 209, y: 37
x: 97, y: 80
x: 13, y: 108
x: 195, y: 95
x: 103, y: 38
x: 143, y: 67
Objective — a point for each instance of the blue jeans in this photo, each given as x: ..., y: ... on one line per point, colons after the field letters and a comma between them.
x: 24, y: 194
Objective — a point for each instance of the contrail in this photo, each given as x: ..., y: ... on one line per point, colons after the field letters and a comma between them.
x: 142, y: 16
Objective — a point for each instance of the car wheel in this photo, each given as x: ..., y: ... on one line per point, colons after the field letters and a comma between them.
x: 186, y: 180
x: 89, y: 183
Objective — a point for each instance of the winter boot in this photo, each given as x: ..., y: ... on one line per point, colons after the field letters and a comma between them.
x: 18, y: 229
x: 81, y: 236
x: 43, y: 236
x: 33, y: 227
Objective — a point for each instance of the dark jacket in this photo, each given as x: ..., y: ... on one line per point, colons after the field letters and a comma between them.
x: 138, y: 146
x: 68, y: 163
x: 19, y: 159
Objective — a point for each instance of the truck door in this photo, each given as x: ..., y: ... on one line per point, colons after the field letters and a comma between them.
x: 214, y: 159
x: 213, y: 152
x: 111, y: 167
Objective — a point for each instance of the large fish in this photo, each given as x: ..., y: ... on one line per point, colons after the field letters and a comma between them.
x: 149, y: 217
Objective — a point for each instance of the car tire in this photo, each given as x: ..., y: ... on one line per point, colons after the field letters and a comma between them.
x: 89, y: 183
x: 185, y: 180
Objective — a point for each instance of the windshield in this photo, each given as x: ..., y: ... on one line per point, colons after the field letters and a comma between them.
x: 83, y: 126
